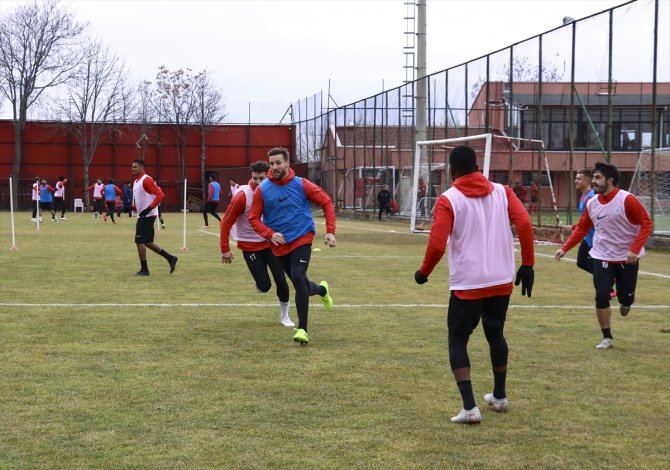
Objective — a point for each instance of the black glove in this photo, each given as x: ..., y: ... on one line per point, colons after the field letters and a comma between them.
x: 526, y: 276
x: 144, y: 212
x: 420, y: 278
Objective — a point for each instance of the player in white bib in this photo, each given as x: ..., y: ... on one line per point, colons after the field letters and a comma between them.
x: 622, y: 227
x: 256, y: 250
x: 147, y: 196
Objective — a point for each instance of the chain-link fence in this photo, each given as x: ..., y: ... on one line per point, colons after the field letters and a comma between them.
x: 593, y: 89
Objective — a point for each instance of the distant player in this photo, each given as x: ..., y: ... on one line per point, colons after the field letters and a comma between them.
x: 622, y: 227
x: 473, y: 218
x: 111, y: 191
x: 98, y: 197
x: 36, y: 199
x: 127, y: 199
x: 255, y: 249
x: 213, y: 197
x: 46, y: 199
x: 147, y: 196
x: 59, y: 197
x: 282, y: 200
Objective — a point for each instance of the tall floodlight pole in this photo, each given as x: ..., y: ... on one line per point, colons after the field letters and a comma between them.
x: 421, y: 110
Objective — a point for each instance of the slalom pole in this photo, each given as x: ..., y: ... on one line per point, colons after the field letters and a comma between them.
x: 11, y: 210
x: 184, y: 248
x: 37, y: 211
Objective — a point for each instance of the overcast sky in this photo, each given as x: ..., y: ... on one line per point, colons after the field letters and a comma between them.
x: 271, y: 53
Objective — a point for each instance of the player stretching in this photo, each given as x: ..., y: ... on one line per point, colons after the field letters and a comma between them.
x: 283, y: 202
x: 255, y: 249
x: 213, y: 196
x: 98, y: 195
x: 622, y: 227
x: 473, y: 218
x: 59, y: 197
x: 111, y: 191
x: 147, y: 196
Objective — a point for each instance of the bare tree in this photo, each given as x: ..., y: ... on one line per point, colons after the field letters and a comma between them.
x: 96, y: 99
x: 175, y: 104
x: 210, y: 111
x: 39, y: 50
x: 144, y: 114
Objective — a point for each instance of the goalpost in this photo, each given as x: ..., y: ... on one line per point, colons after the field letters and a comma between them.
x: 651, y: 185
x: 504, y: 159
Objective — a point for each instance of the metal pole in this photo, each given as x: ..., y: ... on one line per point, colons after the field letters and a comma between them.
x: 571, y: 123
x: 654, y: 135
x: 11, y: 209
x: 184, y: 248
x: 609, y: 90
x: 421, y: 117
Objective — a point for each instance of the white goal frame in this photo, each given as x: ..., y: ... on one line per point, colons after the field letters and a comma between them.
x: 488, y: 139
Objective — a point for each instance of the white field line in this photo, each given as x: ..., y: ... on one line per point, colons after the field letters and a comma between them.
x: 256, y: 305
x: 664, y: 276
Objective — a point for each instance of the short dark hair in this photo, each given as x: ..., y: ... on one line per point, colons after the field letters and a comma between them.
x: 61, y: 178
x: 279, y: 151
x: 463, y: 160
x: 608, y: 171
x: 139, y: 161
x: 212, y: 176
x: 110, y: 180
x: 586, y: 172
x: 259, y: 167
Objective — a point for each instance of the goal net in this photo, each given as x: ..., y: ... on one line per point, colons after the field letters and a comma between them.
x: 651, y: 185
x: 520, y: 163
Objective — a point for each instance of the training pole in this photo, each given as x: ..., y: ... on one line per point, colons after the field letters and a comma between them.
x: 37, y: 211
x: 184, y: 248
x: 11, y: 210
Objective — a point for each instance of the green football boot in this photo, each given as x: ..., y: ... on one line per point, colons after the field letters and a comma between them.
x: 300, y: 336
x: 326, y: 300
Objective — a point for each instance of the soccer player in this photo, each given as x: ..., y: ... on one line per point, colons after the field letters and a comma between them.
x: 622, y: 227
x: 46, y: 199
x: 255, y: 249
x: 36, y: 199
x: 283, y: 202
x: 147, y: 196
x: 127, y: 198
x: 473, y: 217
x: 59, y: 197
x: 110, y: 192
x: 98, y: 195
x: 213, y: 196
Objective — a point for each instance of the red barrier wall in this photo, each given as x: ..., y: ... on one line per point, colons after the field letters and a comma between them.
x: 48, y: 151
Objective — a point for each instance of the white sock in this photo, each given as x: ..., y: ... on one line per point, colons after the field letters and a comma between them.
x: 283, y: 309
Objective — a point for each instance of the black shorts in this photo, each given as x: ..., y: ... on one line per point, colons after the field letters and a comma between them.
x: 210, y: 207
x: 463, y: 316
x: 604, y: 275
x: 46, y: 206
x: 144, y: 230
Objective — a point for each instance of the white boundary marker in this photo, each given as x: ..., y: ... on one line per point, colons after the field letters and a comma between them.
x: 256, y: 305
x: 11, y: 209
x: 184, y: 247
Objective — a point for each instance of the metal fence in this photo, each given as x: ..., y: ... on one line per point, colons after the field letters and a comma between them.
x: 593, y: 89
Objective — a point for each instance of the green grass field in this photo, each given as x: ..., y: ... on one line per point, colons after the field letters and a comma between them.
x: 101, y: 369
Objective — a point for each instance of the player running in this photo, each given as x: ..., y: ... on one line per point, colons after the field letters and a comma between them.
x: 283, y: 202
x: 46, y: 199
x: 473, y: 218
x: 622, y: 227
x: 147, y: 196
x: 213, y: 196
x: 111, y: 191
x: 255, y: 249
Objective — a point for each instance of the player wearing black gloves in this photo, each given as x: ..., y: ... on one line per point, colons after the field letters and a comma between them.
x: 473, y: 217
x: 147, y: 196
